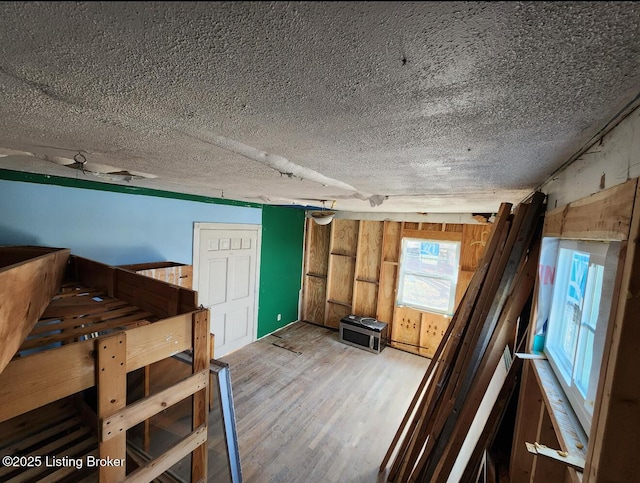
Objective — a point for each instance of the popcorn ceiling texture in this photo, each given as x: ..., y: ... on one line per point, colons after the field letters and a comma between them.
x: 441, y: 107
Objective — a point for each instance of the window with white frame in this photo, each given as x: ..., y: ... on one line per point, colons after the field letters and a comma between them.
x: 429, y: 274
x: 578, y: 318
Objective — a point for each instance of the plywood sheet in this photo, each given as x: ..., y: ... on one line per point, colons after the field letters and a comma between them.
x: 474, y: 239
x: 431, y: 332
x: 453, y: 227
x: 464, y: 277
x: 406, y: 329
x: 602, y: 216
x: 387, y: 292
x: 431, y: 226
x: 317, y: 248
x: 366, y: 295
x: 391, y: 248
x: 340, y: 282
x: 432, y: 235
x: 410, y: 225
x: 344, y: 234
x: 369, y: 250
x: 335, y: 312
x: 314, y: 295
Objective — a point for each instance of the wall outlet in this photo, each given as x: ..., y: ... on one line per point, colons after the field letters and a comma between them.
x: 279, y: 318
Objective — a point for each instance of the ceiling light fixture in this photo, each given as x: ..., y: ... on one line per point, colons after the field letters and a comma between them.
x: 323, y: 217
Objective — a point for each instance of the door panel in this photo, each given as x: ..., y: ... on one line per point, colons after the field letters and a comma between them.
x: 227, y: 284
x: 242, y: 278
x: 238, y: 324
x: 217, y: 293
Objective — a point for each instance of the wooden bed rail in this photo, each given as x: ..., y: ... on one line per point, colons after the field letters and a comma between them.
x: 33, y: 381
x: 29, y: 276
x: 160, y: 298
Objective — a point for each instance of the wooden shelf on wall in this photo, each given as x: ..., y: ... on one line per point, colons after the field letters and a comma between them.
x: 337, y: 302
x: 316, y: 275
x: 367, y: 281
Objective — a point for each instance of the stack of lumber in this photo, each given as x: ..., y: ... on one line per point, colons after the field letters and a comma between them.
x: 431, y: 435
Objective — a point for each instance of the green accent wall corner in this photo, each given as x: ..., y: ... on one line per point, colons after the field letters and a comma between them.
x: 280, y: 267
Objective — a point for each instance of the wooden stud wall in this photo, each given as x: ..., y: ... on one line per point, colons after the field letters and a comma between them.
x: 351, y: 267
x: 316, y: 263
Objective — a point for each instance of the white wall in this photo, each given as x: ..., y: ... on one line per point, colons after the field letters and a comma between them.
x: 616, y: 156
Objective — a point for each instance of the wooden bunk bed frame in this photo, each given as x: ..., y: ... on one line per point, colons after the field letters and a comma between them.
x: 101, y: 324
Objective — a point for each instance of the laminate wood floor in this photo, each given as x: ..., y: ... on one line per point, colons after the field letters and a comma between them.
x: 312, y: 409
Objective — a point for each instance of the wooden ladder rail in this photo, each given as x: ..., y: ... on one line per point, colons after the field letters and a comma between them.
x: 115, y: 417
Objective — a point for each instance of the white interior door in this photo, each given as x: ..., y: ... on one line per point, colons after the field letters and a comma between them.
x: 227, y: 261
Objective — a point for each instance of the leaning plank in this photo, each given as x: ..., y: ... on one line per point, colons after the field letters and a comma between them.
x: 162, y: 339
x: 410, y: 446
x: 162, y: 463
x: 525, y: 225
x: 438, y: 400
x: 470, y: 396
x: 26, y: 289
x: 143, y: 409
x: 494, y: 419
x: 35, y: 380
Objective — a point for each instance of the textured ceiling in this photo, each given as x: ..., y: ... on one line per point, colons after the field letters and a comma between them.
x: 427, y: 107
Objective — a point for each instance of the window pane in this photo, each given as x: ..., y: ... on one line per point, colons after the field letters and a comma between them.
x: 577, y: 319
x: 428, y: 274
x: 431, y: 258
x: 584, y: 361
x: 427, y: 292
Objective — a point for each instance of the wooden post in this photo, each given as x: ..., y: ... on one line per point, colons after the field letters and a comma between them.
x: 200, y: 398
x: 112, y: 396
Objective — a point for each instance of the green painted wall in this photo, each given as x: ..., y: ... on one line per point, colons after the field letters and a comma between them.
x: 280, y: 267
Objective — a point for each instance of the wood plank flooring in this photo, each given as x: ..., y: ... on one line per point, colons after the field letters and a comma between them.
x: 311, y: 409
